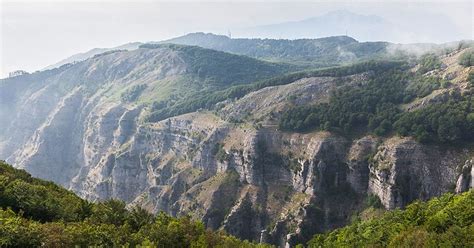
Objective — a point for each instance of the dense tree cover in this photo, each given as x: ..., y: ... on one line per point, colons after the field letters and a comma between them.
x: 429, y: 62
x: 38, y: 199
x: 372, y: 107
x: 423, y: 86
x: 446, y: 221
x: 224, y: 69
x: 37, y: 213
x: 470, y: 78
x: 209, y: 99
x: 467, y: 58
x: 447, y: 122
x: 323, y: 51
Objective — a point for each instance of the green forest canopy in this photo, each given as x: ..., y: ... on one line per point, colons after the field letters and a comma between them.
x: 446, y: 221
x: 374, y: 107
x: 35, y: 213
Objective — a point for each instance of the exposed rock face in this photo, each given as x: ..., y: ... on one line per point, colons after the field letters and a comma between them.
x: 403, y: 170
x: 255, y: 182
x: 357, y: 161
x: 41, y: 156
x: 465, y: 180
x: 268, y: 102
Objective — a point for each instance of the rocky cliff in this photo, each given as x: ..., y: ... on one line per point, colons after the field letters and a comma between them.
x: 230, y: 167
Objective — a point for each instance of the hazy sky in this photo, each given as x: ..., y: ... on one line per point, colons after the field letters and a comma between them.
x: 35, y: 34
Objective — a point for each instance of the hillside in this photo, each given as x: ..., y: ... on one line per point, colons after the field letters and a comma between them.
x: 160, y: 78
x: 320, y: 52
x: 258, y: 149
x: 38, y: 213
x: 443, y: 221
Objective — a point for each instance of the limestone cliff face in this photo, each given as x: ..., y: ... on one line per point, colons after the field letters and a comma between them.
x: 403, y: 170
x: 248, y: 178
x: 466, y: 179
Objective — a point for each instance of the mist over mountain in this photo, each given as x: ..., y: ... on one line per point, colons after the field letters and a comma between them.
x: 345, y: 30
x: 428, y: 28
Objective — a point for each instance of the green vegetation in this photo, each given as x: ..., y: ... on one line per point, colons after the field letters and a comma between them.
x: 316, y: 52
x: 373, y: 201
x: 470, y: 78
x: 446, y: 221
x: 429, y: 62
x: 217, y: 68
x: 219, y: 152
x: 446, y: 123
x: 467, y: 58
x: 37, y: 213
x: 210, y: 98
x: 208, y: 73
x: 374, y: 107
x: 371, y: 107
x: 423, y: 86
x: 132, y: 93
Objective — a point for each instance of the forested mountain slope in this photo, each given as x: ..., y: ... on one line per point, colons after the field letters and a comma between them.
x: 322, y: 51
x: 251, y: 147
x: 36, y: 213
x: 319, y: 52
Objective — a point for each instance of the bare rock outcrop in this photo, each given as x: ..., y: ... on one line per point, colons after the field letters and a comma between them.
x: 403, y: 170
x: 465, y: 180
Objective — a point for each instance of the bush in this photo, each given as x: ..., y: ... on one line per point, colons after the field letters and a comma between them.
x: 429, y: 62
x: 132, y: 93
x: 470, y: 78
x: 373, y: 201
x: 467, y: 58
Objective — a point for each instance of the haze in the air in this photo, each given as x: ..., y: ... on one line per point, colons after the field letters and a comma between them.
x: 37, y: 34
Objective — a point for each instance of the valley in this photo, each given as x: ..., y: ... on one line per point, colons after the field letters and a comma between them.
x: 265, y: 144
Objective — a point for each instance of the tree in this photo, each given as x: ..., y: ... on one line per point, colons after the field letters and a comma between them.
x: 110, y: 212
x: 139, y: 217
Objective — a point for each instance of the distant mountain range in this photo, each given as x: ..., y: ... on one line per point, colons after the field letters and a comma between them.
x: 322, y: 51
x: 334, y: 36
x: 334, y: 23
x: 361, y: 27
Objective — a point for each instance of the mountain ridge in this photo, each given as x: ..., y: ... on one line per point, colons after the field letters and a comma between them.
x: 271, y: 52
x: 362, y: 27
